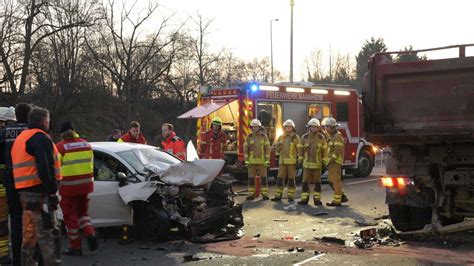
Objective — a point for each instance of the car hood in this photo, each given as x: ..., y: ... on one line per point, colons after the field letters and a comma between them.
x: 196, y: 173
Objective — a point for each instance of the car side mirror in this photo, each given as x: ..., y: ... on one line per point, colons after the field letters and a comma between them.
x: 122, y: 178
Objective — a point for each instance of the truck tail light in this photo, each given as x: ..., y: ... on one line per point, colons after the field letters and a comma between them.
x: 387, y: 181
x: 399, y: 181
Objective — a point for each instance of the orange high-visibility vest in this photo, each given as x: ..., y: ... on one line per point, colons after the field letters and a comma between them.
x: 25, y: 172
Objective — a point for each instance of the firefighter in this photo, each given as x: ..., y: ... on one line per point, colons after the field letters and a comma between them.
x: 334, y: 160
x: 312, y: 149
x: 6, y: 114
x: 172, y: 144
x: 286, y: 150
x: 133, y: 135
x: 77, y: 169
x: 7, y: 138
x: 257, y: 158
x: 36, y: 173
x: 213, y: 141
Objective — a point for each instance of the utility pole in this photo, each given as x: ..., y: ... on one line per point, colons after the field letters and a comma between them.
x: 271, y: 46
x: 292, y: 3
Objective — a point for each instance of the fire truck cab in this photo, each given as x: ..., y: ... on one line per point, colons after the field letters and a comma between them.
x: 272, y: 104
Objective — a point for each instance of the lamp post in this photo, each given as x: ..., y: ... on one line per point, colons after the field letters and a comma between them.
x: 271, y: 45
x: 292, y: 3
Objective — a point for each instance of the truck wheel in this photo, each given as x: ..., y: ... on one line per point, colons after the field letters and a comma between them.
x: 152, y: 224
x: 364, y: 165
x: 406, y: 218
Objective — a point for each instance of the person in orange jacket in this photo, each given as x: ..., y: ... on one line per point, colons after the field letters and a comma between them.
x: 133, y: 135
x: 213, y: 141
x: 172, y: 144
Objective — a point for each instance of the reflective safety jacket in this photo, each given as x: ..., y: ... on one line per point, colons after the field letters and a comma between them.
x: 25, y: 172
x: 313, y: 150
x: 129, y: 138
x: 213, y: 145
x: 287, y: 148
x: 257, y: 148
x: 77, y: 167
x: 335, y: 149
x: 174, y: 145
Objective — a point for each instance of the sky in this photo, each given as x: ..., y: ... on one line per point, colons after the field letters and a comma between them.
x: 244, y: 26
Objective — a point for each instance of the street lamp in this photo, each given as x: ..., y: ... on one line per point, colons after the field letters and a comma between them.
x: 292, y: 3
x: 271, y: 44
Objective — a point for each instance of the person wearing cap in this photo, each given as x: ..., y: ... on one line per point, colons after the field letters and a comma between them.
x: 114, y: 135
x: 257, y: 158
x: 133, y: 135
x: 213, y: 142
x: 77, y: 169
x: 312, y: 149
x: 334, y: 160
x: 7, y: 138
x: 287, y: 151
x: 7, y: 114
x: 172, y: 144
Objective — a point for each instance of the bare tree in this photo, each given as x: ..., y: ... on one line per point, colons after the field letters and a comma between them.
x: 205, y: 60
x: 25, y: 25
x: 121, y: 49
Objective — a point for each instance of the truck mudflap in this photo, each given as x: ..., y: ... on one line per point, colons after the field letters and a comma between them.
x: 409, y: 196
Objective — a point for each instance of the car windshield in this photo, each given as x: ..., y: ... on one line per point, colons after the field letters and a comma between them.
x: 138, y: 158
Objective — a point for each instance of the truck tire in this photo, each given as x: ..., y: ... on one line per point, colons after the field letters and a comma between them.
x: 406, y: 218
x: 365, y: 164
x: 152, y: 224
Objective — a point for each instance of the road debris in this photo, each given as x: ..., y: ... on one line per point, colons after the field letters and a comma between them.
x: 310, y: 259
x: 382, y: 236
x: 257, y: 235
x: 321, y: 213
x: 280, y: 220
x: 291, y: 207
x: 191, y: 257
x: 330, y: 239
x: 363, y: 222
x: 383, y: 217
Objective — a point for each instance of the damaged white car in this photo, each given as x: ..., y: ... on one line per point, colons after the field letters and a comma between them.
x: 154, y: 191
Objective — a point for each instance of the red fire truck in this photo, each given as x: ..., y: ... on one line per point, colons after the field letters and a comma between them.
x: 272, y: 104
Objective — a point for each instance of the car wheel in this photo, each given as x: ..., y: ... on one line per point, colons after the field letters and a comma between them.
x: 406, y: 218
x: 364, y: 165
x: 152, y: 224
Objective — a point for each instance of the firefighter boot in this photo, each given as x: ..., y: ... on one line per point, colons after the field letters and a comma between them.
x: 344, y: 197
x: 279, y: 190
x: 336, y: 202
x: 304, y: 194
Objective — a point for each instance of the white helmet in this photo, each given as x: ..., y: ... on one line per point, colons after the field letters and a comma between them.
x: 313, y: 122
x: 289, y: 123
x: 329, y: 121
x: 255, y: 123
x: 7, y: 114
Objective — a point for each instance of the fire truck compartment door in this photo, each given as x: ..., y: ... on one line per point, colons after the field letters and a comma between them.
x: 204, y: 110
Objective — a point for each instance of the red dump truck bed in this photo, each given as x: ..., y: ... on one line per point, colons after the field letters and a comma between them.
x: 419, y: 101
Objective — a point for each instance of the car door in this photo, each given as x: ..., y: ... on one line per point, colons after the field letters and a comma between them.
x: 106, y: 208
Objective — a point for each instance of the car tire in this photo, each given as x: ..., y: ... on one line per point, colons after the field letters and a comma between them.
x: 406, y: 218
x: 364, y: 165
x: 152, y: 224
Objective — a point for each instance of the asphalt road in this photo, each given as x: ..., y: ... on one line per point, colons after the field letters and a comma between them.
x: 285, y: 236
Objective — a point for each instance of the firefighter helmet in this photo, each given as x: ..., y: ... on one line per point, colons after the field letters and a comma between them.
x: 313, y: 122
x: 255, y: 123
x: 329, y: 121
x: 289, y: 123
x: 7, y: 114
x: 216, y: 121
